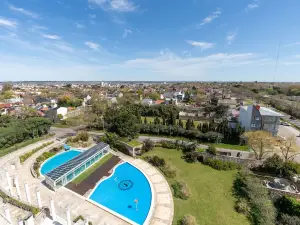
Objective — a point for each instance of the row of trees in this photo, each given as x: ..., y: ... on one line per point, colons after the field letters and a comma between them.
x: 13, y: 130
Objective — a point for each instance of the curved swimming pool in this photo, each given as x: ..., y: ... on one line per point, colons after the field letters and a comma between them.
x: 127, y: 192
x: 57, y: 160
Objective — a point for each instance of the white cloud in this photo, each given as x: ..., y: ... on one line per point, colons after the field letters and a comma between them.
x: 39, y: 27
x: 8, y: 23
x: 201, y: 45
x: 126, y: 32
x: 116, y: 5
x: 117, y: 20
x: 24, y: 11
x: 211, y: 17
x: 292, y: 44
x: 252, y: 6
x: 92, y: 16
x: 170, y: 63
x: 63, y: 47
x: 231, y: 37
x: 94, y: 46
x: 79, y: 25
x: 52, y: 37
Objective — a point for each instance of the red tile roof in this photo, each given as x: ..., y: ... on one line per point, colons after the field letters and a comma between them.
x: 159, y: 102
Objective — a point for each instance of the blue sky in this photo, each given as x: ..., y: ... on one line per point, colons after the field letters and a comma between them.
x: 167, y: 40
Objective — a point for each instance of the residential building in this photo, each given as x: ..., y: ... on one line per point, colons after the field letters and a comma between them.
x: 255, y: 117
x: 230, y: 102
x: 147, y: 101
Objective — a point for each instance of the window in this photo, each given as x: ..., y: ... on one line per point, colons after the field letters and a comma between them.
x: 253, y: 125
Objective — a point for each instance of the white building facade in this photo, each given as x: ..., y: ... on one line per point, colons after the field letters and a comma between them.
x: 254, y: 117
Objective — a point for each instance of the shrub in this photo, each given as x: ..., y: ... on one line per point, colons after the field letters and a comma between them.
x: 122, y: 148
x: 288, y: 220
x: 156, y: 161
x: 276, y: 165
x: 148, y: 145
x: 180, y: 190
x: 212, y: 150
x: 25, y: 156
x: 17, y: 203
x: 192, y: 157
x: 242, y: 206
x: 288, y: 205
x: 168, y: 172
x: 80, y: 217
x: 46, y: 155
x: 250, y: 188
x: 188, y: 220
x: 221, y: 165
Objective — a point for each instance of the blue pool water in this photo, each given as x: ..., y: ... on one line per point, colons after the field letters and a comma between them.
x: 58, y: 160
x: 119, y: 191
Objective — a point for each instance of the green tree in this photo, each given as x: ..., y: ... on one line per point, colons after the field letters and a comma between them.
x: 145, y: 120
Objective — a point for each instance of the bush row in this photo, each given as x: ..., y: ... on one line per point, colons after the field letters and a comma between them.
x: 221, y: 165
x: 25, y: 156
x: 275, y: 165
x: 43, y: 157
x: 253, y: 199
x: 161, y: 164
x: 10, y: 200
x: 178, y: 131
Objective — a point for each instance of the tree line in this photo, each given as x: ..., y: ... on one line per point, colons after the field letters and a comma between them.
x: 14, y: 130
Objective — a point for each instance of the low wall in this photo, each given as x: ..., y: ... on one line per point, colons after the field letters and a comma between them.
x: 247, y: 162
x: 132, y: 149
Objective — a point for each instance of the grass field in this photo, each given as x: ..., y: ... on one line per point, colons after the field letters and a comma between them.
x: 134, y: 143
x: 211, y: 201
x: 90, y: 170
x: 234, y: 147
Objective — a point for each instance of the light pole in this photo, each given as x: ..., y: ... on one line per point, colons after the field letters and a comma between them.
x: 136, y: 201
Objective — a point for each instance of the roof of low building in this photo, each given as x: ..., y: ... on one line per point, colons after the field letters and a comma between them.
x: 71, y: 164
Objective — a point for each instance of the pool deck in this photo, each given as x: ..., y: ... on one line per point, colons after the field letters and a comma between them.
x: 91, y: 181
x: 161, y: 213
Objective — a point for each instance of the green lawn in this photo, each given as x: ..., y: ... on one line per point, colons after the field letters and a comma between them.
x: 134, y: 143
x: 211, y: 201
x: 90, y: 170
x: 234, y: 147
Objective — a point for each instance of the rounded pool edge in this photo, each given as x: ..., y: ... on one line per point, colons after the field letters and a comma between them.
x: 41, y: 175
x: 150, y: 212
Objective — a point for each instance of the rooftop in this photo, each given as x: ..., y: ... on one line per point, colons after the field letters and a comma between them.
x: 70, y: 165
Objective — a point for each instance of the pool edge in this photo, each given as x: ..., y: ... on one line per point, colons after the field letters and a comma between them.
x: 41, y: 175
x: 150, y: 212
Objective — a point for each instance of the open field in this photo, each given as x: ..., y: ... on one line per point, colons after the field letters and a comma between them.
x: 211, y: 201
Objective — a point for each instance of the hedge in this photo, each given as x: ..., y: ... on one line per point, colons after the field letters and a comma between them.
x: 25, y: 156
x: 221, y: 165
x: 161, y: 164
x: 29, y: 208
x: 43, y: 157
x: 249, y: 189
